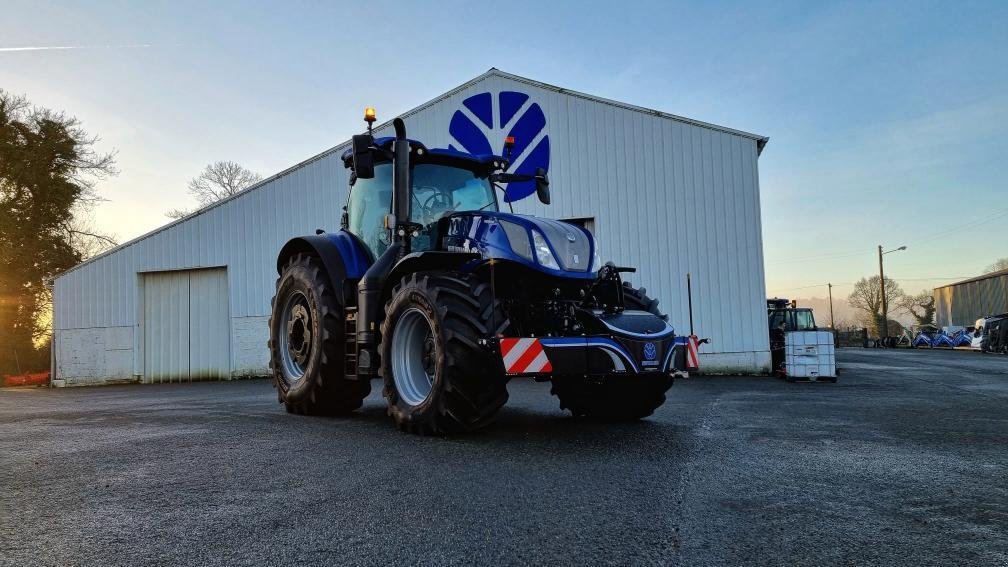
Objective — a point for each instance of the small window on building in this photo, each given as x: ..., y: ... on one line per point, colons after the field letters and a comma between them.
x: 583, y: 222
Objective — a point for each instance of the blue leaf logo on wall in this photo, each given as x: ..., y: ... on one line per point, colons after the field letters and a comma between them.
x: 517, y: 116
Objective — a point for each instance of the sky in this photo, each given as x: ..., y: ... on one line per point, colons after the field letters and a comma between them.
x: 886, y: 120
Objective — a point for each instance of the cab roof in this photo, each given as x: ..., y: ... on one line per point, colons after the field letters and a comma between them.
x: 385, y: 143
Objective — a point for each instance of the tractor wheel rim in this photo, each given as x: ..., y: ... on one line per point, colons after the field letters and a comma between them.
x: 414, y: 356
x: 295, y: 336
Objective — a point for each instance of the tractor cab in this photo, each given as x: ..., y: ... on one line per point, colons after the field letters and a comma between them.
x: 784, y: 316
x: 441, y: 182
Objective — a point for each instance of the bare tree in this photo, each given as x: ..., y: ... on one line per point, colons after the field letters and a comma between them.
x: 179, y: 213
x: 218, y: 181
x: 921, y: 306
x: 867, y: 297
x: 997, y: 266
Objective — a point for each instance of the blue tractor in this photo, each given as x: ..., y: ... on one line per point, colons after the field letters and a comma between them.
x: 429, y: 286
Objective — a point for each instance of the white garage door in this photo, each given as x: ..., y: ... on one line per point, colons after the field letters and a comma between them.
x: 187, y: 331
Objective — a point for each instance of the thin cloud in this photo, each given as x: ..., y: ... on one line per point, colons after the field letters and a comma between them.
x: 64, y: 47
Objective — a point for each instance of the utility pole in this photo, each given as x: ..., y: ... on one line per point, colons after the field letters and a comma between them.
x: 884, y: 331
x: 831, y: 325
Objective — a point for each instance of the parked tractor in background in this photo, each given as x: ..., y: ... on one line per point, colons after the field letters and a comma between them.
x: 429, y: 286
x: 783, y: 316
x: 991, y: 334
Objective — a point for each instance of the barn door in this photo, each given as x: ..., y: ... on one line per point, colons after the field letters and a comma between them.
x: 186, y: 326
x: 209, y: 325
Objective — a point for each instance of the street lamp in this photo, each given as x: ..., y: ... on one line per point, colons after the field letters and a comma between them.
x: 884, y: 331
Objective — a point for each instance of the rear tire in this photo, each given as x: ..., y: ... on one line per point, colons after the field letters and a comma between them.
x: 307, y: 343
x: 617, y: 398
x: 439, y: 379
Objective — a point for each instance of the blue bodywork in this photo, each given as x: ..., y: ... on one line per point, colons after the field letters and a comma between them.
x: 623, y: 359
x: 482, y: 233
x: 474, y: 232
x: 356, y: 258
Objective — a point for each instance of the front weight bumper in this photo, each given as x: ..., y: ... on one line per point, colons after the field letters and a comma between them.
x: 592, y: 355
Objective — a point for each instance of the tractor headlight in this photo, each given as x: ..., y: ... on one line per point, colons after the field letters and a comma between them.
x: 596, y: 259
x: 543, y: 252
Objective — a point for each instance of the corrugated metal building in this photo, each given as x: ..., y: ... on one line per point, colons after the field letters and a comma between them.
x: 962, y: 303
x: 667, y: 194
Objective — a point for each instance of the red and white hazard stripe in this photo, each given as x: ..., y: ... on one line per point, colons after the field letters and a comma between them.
x: 693, y: 353
x: 524, y: 356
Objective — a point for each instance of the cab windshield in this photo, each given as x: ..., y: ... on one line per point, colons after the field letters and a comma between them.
x: 436, y: 191
x: 803, y: 320
x: 440, y: 190
x: 792, y: 320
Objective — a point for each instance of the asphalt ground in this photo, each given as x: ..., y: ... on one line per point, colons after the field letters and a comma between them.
x: 904, y: 461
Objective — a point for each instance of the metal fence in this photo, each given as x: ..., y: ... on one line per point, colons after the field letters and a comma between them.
x: 852, y: 338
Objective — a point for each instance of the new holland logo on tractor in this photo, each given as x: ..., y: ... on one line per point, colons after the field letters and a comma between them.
x: 430, y: 287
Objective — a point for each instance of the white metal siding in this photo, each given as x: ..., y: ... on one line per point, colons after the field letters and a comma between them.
x: 668, y: 196
x: 166, y: 327
x: 209, y: 325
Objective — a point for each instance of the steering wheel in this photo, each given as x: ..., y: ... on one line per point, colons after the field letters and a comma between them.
x: 438, y: 203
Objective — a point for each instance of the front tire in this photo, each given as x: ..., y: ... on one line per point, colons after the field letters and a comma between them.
x: 439, y: 379
x: 307, y: 343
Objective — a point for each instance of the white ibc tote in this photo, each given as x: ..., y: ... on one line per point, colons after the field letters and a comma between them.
x: 810, y: 354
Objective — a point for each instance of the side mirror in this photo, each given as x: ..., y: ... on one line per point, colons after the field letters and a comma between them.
x: 542, y: 186
x: 363, y: 160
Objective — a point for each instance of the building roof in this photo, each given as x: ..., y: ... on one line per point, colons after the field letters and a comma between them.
x: 761, y: 142
x: 996, y: 274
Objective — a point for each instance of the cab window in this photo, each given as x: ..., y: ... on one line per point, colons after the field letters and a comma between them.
x: 803, y: 320
x: 777, y: 320
x: 370, y: 200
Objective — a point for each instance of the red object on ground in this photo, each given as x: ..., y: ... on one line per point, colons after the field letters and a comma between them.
x: 37, y: 379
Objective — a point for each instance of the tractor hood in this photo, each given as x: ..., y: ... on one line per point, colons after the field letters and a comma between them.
x: 571, y: 245
x: 555, y: 247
